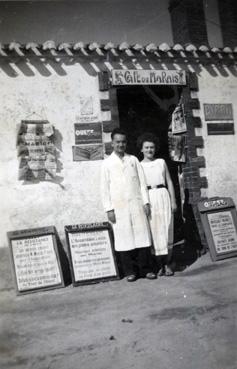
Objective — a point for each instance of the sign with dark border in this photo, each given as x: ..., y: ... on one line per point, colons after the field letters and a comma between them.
x: 91, y: 253
x: 213, y: 112
x: 35, y: 260
x: 223, y: 128
x: 88, y: 133
x: 219, y: 220
x: 148, y: 77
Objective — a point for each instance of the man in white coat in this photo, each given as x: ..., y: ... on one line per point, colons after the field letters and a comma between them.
x: 125, y: 200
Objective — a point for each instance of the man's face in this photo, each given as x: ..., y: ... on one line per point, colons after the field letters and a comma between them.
x: 119, y: 144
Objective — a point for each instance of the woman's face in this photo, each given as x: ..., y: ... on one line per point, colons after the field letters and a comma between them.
x: 148, y: 150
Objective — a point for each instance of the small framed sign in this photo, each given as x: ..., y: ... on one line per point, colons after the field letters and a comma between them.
x: 219, y: 220
x: 88, y: 133
x: 35, y: 259
x: 215, y: 112
x: 91, y: 253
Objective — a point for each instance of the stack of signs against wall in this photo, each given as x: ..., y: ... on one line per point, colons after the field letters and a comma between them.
x: 36, y: 151
x: 88, y: 133
x: 177, y: 137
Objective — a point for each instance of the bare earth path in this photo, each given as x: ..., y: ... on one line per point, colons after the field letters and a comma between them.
x: 183, y: 322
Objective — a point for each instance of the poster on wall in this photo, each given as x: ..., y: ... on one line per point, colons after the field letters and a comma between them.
x: 36, y: 151
x: 91, y: 253
x: 87, y: 110
x: 178, y: 123
x: 177, y: 147
x: 35, y: 259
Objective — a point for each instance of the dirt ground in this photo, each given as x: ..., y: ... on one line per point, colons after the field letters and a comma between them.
x: 183, y: 322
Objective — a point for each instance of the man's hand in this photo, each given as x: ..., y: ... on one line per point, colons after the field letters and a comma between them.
x: 147, y: 210
x: 111, y: 216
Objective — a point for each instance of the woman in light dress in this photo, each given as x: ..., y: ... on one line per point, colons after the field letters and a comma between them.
x: 162, y: 201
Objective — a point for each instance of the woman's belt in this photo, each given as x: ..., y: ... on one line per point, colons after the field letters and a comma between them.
x: 157, y: 186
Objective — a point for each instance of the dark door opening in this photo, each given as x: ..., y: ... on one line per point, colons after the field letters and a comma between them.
x: 149, y: 109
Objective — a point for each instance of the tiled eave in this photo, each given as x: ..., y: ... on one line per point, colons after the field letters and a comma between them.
x: 109, y: 50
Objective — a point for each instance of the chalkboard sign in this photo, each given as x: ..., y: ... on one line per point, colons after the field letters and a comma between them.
x: 35, y: 259
x: 219, y: 219
x: 91, y: 253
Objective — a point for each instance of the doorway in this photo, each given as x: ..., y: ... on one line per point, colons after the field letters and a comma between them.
x: 149, y: 109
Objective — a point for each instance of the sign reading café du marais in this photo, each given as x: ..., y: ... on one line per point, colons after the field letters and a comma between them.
x: 148, y: 77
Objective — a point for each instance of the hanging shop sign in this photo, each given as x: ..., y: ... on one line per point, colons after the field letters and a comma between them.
x: 91, y: 253
x: 148, y: 77
x: 88, y: 133
x: 35, y: 259
x: 36, y: 151
x: 219, y: 220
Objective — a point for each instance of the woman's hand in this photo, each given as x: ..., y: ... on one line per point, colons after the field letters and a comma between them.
x: 173, y: 207
x: 147, y: 210
x: 111, y: 216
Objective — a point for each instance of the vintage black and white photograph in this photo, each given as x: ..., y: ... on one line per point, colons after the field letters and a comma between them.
x: 118, y: 177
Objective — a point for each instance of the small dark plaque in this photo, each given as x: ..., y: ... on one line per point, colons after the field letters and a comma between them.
x: 88, y: 133
x: 35, y: 259
x: 218, y: 112
x: 219, y: 220
x: 220, y: 128
x: 87, y: 152
x: 91, y: 253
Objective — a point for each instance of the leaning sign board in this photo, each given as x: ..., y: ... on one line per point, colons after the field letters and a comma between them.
x: 35, y: 259
x: 148, y: 77
x: 91, y: 253
x: 219, y: 220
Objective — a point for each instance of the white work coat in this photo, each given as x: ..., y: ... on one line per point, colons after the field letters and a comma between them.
x: 124, y: 190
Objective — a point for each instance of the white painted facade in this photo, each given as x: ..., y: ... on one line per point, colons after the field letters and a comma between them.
x: 77, y: 200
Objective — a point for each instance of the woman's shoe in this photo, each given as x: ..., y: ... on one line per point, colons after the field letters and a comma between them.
x: 131, y: 278
x: 151, y: 275
x: 168, y: 271
x: 161, y: 272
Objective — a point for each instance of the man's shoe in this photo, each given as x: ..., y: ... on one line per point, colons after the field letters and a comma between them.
x: 131, y: 278
x: 151, y: 275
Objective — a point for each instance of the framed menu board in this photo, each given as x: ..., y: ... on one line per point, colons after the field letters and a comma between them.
x: 35, y: 259
x: 91, y: 253
x: 219, y: 219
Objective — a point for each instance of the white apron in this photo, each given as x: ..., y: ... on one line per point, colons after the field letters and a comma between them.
x: 124, y: 190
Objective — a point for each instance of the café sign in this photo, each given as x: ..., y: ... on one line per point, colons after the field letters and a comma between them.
x: 148, y: 77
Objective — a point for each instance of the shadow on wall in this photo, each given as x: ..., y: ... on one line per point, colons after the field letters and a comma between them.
x: 46, y: 63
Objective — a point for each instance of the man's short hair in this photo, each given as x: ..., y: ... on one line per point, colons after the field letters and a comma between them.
x: 118, y: 131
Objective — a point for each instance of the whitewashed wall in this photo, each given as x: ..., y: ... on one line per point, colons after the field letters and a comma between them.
x: 220, y: 151
x: 56, y: 98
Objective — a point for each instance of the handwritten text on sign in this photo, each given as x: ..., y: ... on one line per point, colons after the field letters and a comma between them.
x: 223, y: 231
x: 91, y: 255
x: 148, y: 77
x: 35, y: 262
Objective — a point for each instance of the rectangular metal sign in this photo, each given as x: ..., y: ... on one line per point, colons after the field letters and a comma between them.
x: 148, y: 77
x: 219, y: 220
x: 214, y: 112
x: 88, y: 133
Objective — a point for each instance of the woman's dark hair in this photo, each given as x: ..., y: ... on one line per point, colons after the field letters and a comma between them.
x: 118, y: 131
x: 148, y: 137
